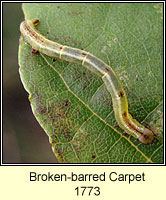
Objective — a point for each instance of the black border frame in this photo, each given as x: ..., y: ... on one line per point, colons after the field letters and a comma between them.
x: 86, y: 164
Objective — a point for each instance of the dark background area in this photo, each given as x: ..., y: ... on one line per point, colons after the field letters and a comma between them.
x: 24, y: 141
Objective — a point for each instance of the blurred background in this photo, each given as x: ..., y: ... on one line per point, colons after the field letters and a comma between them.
x: 24, y: 141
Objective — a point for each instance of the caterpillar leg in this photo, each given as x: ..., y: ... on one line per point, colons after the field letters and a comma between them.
x: 34, y: 51
x: 124, y: 133
x: 116, y: 126
x: 35, y: 22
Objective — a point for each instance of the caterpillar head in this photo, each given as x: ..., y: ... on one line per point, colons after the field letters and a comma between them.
x: 147, y: 136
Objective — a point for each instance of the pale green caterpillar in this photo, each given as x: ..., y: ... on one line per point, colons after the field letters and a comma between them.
x: 95, y: 65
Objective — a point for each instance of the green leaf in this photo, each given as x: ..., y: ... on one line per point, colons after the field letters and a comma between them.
x: 72, y: 104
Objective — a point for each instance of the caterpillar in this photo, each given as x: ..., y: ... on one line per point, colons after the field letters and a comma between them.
x: 95, y: 65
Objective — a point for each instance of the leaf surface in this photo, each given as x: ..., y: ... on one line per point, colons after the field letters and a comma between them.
x: 72, y: 104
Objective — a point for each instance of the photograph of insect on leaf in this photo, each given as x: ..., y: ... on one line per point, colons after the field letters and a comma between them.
x: 95, y: 86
